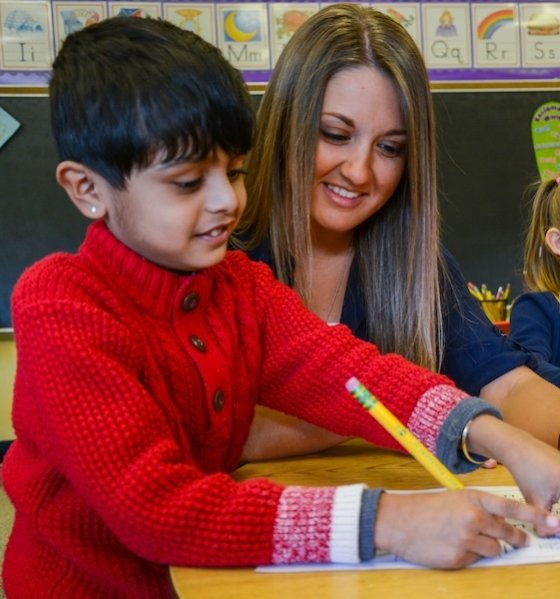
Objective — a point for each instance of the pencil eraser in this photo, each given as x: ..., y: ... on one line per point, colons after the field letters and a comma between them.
x: 352, y: 383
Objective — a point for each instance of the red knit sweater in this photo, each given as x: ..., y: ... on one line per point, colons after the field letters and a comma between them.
x: 134, y: 394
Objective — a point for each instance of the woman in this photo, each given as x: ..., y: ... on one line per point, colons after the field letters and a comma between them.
x: 343, y: 205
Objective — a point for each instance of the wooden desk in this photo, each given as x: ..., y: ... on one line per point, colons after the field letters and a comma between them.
x: 356, y: 462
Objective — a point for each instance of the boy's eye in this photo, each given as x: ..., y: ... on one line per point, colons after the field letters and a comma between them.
x: 235, y: 173
x: 191, y: 185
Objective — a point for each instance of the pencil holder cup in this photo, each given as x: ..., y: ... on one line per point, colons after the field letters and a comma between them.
x: 495, y: 309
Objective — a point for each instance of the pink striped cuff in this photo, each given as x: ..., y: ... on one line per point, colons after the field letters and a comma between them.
x: 315, y: 525
x: 430, y: 412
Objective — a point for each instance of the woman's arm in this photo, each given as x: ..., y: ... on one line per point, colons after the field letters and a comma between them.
x: 275, y: 435
x: 528, y: 402
x: 475, y: 352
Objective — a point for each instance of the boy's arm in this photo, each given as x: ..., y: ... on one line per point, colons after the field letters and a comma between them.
x: 114, y: 452
x: 306, y: 365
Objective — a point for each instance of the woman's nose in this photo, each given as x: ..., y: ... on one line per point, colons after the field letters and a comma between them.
x: 357, y: 168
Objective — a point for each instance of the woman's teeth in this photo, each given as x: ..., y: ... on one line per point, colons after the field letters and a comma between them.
x: 351, y: 195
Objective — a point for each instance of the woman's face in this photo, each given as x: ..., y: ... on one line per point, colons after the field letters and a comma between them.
x: 361, y: 150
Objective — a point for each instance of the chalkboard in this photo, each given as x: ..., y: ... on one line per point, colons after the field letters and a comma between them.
x: 36, y: 217
x: 485, y: 160
x: 486, y: 163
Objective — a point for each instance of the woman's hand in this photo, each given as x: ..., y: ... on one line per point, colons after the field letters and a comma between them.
x: 453, y: 529
x: 534, y: 464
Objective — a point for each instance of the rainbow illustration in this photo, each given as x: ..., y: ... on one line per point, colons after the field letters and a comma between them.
x: 490, y: 24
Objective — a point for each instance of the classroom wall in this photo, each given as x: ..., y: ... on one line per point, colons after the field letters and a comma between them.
x: 7, y: 372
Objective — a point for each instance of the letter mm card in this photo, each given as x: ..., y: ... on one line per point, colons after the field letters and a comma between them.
x: 243, y: 35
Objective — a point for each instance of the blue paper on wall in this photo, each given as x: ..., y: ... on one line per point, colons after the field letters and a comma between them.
x: 8, y: 126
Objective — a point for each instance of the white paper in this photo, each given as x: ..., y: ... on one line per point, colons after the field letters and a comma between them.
x: 540, y: 550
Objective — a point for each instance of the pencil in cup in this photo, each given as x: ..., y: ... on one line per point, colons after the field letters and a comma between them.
x: 495, y: 309
x: 399, y: 431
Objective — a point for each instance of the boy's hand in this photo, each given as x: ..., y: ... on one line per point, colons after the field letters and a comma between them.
x: 453, y: 529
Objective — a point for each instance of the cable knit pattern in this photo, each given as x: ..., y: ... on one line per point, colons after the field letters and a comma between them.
x: 134, y: 393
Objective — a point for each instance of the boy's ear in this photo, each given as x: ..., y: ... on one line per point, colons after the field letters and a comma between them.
x: 552, y: 238
x: 80, y: 183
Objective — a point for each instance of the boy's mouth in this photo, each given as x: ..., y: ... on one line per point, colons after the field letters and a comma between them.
x: 218, y: 234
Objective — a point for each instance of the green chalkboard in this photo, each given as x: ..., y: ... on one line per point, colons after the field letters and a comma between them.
x: 485, y: 159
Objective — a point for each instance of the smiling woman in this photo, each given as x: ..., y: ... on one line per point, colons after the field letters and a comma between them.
x: 359, y: 162
x: 344, y: 161
x: 360, y: 155
x: 343, y: 170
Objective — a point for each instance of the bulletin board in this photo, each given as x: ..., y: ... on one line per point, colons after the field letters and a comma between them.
x: 460, y: 41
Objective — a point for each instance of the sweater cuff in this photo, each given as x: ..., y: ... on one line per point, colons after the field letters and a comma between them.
x: 449, y: 438
x: 431, y: 411
x: 368, y: 515
x: 345, y: 534
x: 318, y: 524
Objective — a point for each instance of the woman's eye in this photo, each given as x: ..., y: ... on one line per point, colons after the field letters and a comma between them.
x: 334, y: 136
x: 235, y: 173
x: 391, y: 149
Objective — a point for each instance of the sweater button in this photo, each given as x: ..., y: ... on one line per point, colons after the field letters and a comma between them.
x: 190, y: 302
x: 197, y: 343
x: 218, y: 400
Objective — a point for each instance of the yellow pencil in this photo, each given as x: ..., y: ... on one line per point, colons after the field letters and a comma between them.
x: 399, y: 431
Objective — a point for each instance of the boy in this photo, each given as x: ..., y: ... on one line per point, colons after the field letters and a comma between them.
x: 141, y: 358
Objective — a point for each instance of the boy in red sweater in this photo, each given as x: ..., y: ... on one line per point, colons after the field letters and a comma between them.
x: 142, y: 356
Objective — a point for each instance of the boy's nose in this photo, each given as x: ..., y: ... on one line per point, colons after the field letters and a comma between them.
x: 223, y: 197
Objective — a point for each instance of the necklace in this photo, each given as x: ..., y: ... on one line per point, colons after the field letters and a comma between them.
x: 343, y: 276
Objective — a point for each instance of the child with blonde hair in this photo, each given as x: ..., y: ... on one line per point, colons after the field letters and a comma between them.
x: 535, y: 316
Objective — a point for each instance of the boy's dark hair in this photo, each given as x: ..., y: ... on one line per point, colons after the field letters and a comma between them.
x: 125, y: 89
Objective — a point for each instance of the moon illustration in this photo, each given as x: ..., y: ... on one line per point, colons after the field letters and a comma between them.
x: 240, y: 27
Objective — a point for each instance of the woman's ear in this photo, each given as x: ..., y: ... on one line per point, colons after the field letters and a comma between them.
x: 81, y: 185
x: 552, y: 239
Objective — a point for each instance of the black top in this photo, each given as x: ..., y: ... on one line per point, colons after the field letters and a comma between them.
x: 475, y: 351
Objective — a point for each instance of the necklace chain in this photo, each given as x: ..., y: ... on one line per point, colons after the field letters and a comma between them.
x: 343, y: 275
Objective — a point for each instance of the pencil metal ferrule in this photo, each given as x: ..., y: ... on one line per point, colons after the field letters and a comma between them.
x: 364, y: 397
